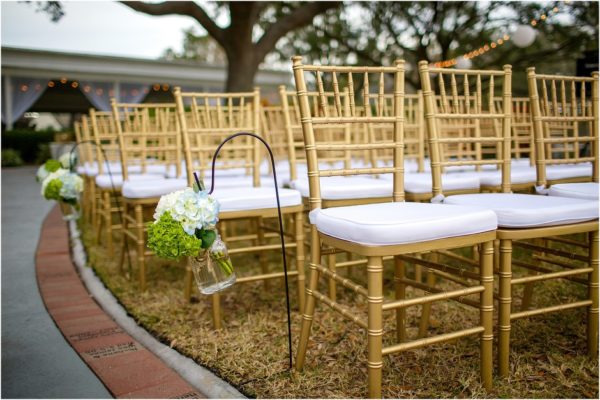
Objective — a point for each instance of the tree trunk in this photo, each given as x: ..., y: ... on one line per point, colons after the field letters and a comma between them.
x: 241, y: 70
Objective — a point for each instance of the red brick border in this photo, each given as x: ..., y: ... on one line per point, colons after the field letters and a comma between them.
x: 127, y: 369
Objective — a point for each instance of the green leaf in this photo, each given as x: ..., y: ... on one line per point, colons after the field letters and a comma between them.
x: 208, y: 237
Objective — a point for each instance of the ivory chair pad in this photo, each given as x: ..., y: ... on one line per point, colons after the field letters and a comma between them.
x: 255, y: 198
x: 529, y: 210
x: 104, y: 180
x: 420, y: 182
x: 579, y: 190
x: 384, y: 224
x: 347, y: 187
x: 150, y: 188
x: 555, y: 172
x: 517, y: 176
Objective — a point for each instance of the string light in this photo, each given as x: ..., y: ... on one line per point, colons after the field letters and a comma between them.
x: 494, y: 44
x: 51, y: 84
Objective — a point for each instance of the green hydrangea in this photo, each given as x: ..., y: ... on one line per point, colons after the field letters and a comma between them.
x: 167, y: 239
x: 52, y: 165
x: 52, y: 191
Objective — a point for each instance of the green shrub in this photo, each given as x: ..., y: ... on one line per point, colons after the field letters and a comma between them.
x: 11, y: 158
x: 27, y: 143
x: 43, y: 154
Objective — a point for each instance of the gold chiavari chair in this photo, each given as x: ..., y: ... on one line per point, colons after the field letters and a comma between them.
x: 106, y: 172
x: 378, y: 230
x: 88, y: 201
x: 150, y: 151
x: 520, y: 216
x: 579, y: 145
x: 211, y: 118
x: 557, y: 100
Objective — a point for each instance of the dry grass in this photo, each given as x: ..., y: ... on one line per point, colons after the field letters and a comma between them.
x: 548, y: 358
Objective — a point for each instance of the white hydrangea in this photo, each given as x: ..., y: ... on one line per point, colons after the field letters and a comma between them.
x: 193, y: 210
x: 51, y: 176
x: 72, y: 185
x: 41, y: 173
x: 64, y: 159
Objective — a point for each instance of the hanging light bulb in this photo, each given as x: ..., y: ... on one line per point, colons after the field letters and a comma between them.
x: 523, y: 36
x: 463, y: 63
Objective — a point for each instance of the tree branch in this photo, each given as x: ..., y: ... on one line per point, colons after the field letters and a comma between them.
x: 300, y: 17
x: 186, y: 8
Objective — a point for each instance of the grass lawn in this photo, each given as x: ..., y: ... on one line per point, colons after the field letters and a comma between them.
x: 548, y: 357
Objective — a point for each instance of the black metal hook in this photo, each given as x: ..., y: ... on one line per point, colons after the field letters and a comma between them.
x: 212, y: 188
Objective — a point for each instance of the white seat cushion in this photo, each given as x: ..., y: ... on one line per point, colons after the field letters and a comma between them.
x: 104, y: 180
x: 420, y: 182
x: 566, y: 171
x: 226, y: 182
x: 151, y: 188
x: 344, y: 188
x: 402, y: 222
x: 517, y: 176
x: 529, y: 210
x: 243, y: 199
x: 580, y: 190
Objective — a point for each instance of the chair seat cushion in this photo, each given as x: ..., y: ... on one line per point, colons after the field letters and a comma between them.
x: 580, y: 190
x: 347, y: 188
x: 420, y: 182
x: 151, y: 188
x: 529, y: 210
x: 401, y: 222
x: 519, y: 175
x: 566, y: 171
x: 104, y: 181
x: 251, y: 198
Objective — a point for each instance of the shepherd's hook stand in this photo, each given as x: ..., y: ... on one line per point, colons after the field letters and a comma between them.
x: 212, y: 188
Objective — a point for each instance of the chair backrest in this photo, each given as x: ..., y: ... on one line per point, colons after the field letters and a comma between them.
x: 467, y: 106
x: 83, y: 137
x: 149, y: 138
x: 105, y: 135
x: 358, y: 112
x: 565, y: 121
x: 294, y: 135
x: 211, y: 118
x: 521, y: 128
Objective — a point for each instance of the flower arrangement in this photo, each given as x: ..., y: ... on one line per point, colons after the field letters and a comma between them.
x: 62, y: 185
x: 185, y: 226
x: 68, y: 160
x: 45, y: 169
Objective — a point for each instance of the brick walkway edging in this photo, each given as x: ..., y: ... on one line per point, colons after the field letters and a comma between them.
x: 125, y: 366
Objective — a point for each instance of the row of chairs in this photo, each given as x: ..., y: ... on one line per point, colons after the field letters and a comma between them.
x: 362, y: 165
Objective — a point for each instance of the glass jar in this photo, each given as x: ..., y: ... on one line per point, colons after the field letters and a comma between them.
x: 69, y: 211
x: 212, y: 268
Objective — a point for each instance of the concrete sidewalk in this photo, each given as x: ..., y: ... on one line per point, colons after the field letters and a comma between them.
x: 37, y: 362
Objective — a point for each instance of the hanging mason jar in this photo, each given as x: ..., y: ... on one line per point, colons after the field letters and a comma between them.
x: 212, y: 268
x: 69, y: 210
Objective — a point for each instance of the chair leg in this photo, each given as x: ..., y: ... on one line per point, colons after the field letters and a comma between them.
x: 375, y: 324
x: 109, y: 223
x: 331, y: 282
x: 124, y: 244
x: 140, y: 244
x: 486, y: 271
x: 262, y: 259
x: 309, y: 307
x: 505, y: 301
x: 399, y: 275
x: 426, y: 313
x: 300, y: 259
x: 216, y: 310
x: 592, y: 319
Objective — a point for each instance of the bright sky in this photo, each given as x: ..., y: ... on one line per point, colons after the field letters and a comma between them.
x: 93, y: 27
